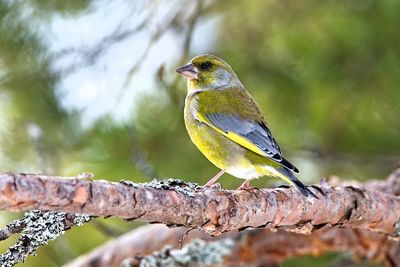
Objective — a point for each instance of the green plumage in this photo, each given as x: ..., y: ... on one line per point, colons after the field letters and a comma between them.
x: 230, y: 101
x: 228, y: 127
x: 217, y: 148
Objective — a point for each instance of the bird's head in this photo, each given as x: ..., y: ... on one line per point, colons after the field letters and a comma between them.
x: 208, y: 72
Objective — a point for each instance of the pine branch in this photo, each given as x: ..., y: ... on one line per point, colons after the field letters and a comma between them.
x: 152, y: 244
x: 216, y: 211
x: 37, y: 229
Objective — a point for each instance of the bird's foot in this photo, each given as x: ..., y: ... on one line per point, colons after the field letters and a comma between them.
x: 210, y: 183
x: 214, y: 186
x: 214, y: 179
x: 246, y: 186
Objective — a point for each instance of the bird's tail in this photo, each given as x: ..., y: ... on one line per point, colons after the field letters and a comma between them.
x: 289, y: 177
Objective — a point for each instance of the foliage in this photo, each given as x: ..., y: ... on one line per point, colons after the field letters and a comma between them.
x: 325, y: 72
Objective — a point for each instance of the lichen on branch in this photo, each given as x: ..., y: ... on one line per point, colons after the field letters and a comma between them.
x: 37, y: 229
x: 212, y: 209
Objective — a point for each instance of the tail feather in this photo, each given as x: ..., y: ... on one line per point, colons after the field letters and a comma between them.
x: 303, y: 189
x: 289, y: 177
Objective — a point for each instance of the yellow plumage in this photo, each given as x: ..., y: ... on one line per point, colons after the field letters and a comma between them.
x: 228, y: 127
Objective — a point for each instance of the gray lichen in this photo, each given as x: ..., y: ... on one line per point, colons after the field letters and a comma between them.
x: 397, y: 226
x: 80, y: 219
x: 40, y: 228
x: 186, y: 188
x: 197, y: 253
x: 13, y: 227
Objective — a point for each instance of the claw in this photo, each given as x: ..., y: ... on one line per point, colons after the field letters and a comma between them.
x: 246, y: 186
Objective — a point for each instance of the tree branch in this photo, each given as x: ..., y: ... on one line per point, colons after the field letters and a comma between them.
x: 258, y: 247
x: 37, y: 229
x: 216, y: 211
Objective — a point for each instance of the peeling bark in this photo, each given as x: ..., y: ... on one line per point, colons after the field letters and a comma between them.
x: 216, y: 211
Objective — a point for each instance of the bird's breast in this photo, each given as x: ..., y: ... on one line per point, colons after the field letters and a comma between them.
x: 213, y: 145
x: 220, y: 150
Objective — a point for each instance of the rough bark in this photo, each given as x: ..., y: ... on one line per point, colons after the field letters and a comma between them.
x: 216, y: 211
x: 390, y: 186
x: 258, y: 247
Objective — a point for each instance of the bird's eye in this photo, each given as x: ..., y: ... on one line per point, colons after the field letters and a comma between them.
x: 206, y: 65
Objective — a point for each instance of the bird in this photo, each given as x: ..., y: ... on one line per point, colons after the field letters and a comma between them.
x: 225, y: 123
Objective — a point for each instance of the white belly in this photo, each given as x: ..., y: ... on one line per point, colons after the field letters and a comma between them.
x: 250, y: 172
x: 244, y: 172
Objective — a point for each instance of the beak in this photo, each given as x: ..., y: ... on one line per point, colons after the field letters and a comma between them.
x: 189, y: 71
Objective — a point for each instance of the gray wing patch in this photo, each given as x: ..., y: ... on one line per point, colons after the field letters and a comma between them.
x: 256, y: 132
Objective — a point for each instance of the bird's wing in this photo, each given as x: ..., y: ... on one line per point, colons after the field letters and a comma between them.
x: 252, y: 135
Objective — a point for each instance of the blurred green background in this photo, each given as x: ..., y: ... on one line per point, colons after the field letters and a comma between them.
x: 90, y: 86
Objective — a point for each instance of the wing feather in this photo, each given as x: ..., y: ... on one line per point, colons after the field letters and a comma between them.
x: 252, y: 135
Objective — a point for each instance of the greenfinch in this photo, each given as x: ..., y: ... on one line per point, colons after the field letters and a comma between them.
x: 228, y: 127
